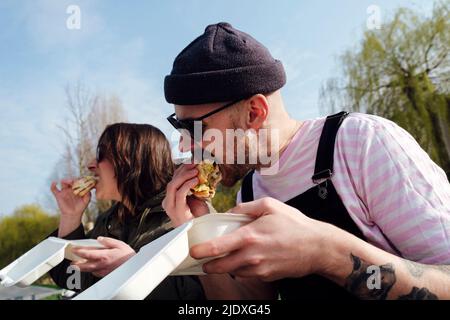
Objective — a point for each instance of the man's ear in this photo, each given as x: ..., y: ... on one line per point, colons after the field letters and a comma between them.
x: 257, y: 111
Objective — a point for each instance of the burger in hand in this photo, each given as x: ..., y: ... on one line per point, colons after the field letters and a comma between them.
x: 83, y: 185
x: 209, y: 177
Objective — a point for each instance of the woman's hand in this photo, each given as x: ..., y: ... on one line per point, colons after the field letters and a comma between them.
x: 102, y: 261
x: 178, y: 205
x: 70, y: 205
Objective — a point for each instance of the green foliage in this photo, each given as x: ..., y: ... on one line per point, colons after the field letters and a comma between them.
x: 225, y: 198
x: 28, y: 226
x: 401, y: 72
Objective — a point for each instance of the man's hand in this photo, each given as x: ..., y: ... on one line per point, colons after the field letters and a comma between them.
x: 101, y: 261
x: 280, y: 243
x: 283, y: 243
x: 178, y: 205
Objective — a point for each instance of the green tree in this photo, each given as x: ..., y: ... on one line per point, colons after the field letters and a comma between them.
x: 225, y: 198
x: 24, y: 229
x: 401, y: 72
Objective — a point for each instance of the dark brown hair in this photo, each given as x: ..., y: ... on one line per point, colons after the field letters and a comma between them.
x: 141, y: 157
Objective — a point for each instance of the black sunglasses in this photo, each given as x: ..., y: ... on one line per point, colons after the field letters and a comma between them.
x: 100, y: 155
x: 189, y: 124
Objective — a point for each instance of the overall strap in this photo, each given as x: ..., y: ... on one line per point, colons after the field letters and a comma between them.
x: 325, y: 152
x: 247, y: 187
x: 324, y: 159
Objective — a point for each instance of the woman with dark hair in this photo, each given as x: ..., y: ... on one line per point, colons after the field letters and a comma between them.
x: 132, y: 167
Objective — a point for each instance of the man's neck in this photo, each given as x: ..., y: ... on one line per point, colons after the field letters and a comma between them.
x: 286, y: 132
x: 290, y: 131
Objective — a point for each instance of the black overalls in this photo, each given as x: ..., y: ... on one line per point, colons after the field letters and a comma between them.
x: 321, y: 203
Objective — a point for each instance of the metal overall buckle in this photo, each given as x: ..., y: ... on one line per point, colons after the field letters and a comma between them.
x: 323, y: 189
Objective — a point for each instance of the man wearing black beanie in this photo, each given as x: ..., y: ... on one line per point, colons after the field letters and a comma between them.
x: 344, y: 205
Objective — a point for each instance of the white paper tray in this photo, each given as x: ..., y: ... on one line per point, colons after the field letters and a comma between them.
x: 136, y: 278
x: 40, y: 259
x: 206, y: 228
x: 169, y: 254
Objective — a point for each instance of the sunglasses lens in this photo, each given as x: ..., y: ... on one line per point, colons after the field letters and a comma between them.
x: 185, y: 125
x: 102, y: 152
x: 99, y: 156
x: 173, y: 122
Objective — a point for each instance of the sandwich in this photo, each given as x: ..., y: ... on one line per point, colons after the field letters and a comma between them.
x: 83, y: 185
x: 209, y: 177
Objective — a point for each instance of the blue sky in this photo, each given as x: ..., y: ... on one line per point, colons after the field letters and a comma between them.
x: 127, y: 47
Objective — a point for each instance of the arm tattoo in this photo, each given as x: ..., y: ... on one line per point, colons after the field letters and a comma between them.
x: 419, y: 294
x: 417, y: 269
x: 414, y: 268
x: 357, y: 281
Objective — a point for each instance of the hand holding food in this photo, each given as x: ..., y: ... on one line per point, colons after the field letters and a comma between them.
x: 181, y: 204
x: 71, y: 206
x: 280, y: 243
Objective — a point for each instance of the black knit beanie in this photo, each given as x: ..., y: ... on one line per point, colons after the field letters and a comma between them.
x: 223, y: 64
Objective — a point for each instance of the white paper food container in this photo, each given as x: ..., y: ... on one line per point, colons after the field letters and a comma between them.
x: 136, y: 278
x: 205, y: 228
x: 169, y: 254
x: 39, y: 260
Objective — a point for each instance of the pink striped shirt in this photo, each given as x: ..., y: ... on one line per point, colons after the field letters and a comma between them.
x: 387, y: 182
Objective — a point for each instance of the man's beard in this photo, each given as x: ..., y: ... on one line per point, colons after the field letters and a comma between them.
x: 232, y: 173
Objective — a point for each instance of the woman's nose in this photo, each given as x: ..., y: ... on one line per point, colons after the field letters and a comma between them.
x: 92, y: 165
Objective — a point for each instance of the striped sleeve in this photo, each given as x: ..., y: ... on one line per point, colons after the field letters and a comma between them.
x: 406, y: 193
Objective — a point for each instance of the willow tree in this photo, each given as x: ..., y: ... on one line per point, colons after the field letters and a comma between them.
x: 401, y: 72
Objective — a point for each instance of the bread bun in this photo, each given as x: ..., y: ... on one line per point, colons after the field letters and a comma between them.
x: 209, y: 177
x: 83, y: 185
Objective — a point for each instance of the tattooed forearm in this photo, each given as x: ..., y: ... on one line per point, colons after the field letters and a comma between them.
x: 444, y: 268
x: 357, y: 282
x: 414, y: 268
x: 419, y: 294
x: 418, y: 269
